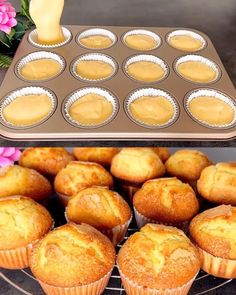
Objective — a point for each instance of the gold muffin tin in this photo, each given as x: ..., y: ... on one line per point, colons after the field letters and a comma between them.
x: 121, y: 86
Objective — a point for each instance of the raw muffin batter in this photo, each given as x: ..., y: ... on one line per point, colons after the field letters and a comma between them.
x: 197, y: 71
x: 152, y: 110
x: 145, y: 71
x: 94, y: 69
x: 185, y: 42
x: 96, y: 42
x: 28, y: 109
x: 211, y: 110
x: 40, y: 69
x: 140, y: 42
x: 91, y: 109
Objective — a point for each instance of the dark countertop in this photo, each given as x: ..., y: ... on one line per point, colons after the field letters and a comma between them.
x: 215, y: 18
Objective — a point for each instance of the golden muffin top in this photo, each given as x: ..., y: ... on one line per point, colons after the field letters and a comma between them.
x: 99, y: 207
x: 72, y: 255
x: 137, y: 165
x: 166, y: 200
x: 47, y: 161
x: 187, y: 164
x: 100, y: 155
x: 218, y: 183
x: 159, y: 257
x: 17, y: 180
x: 79, y: 175
x: 214, y: 231
x: 22, y: 221
x: 162, y: 152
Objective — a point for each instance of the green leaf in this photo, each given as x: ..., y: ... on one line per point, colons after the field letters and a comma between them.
x: 5, y: 61
x: 4, y: 40
x: 11, y: 35
x: 25, y: 9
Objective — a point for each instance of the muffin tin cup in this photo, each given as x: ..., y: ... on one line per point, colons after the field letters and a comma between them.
x: 199, y: 58
x: 134, y: 289
x: 151, y: 92
x: 33, y: 39
x: 94, y: 57
x: 30, y: 90
x: 215, y: 94
x: 37, y: 56
x: 188, y: 33
x: 148, y: 58
x: 141, y: 220
x: 217, y: 266
x: 82, y: 92
x: 90, y: 289
x: 142, y: 32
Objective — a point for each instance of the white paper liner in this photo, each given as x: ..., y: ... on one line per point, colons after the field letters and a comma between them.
x: 36, y: 56
x: 94, y: 32
x: 95, y: 57
x: 84, y: 91
x: 150, y: 58
x: 188, y: 33
x: 132, y: 288
x: 141, y: 220
x: 64, y: 199
x: 129, y: 189
x: 151, y: 92
x: 33, y: 39
x: 30, y: 90
x: 193, y: 57
x: 215, y: 94
x: 143, y: 32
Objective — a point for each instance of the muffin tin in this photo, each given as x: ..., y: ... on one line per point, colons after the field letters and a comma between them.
x: 120, y: 86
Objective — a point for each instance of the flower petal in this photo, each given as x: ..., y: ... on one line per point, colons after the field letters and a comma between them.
x: 8, y: 151
x: 16, y: 155
x: 5, y: 29
x: 5, y: 162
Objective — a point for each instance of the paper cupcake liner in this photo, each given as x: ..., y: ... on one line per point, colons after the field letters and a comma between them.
x: 141, y: 220
x: 36, y: 56
x: 151, y: 92
x: 94, y: 32
x: 63, y: 199
x: 215, y: 94
x: 33, y: 39
x: 143, y: 32
x: 95, y: 57
x: 217, y: 266
x: 150, y: 58
x: 128, y: 189
x: 82, y: 92
x: 188, y: 33
x: 95, y: 288
x: 27, y: 91
x: 192, y: 57
x: 132, y: 288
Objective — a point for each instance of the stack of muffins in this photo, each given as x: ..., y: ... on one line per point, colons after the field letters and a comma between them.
x: 165, y: 192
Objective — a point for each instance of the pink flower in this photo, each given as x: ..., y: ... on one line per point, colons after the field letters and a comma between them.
x: 8, y: 155
x: 7, y: 16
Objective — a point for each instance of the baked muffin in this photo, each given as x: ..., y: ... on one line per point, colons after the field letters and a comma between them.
x: 158, y: 258
x: 22, y: 222
x: 162, y: 152
x: 73, y: 259
x: 133, y: 166
x: 187, y: 164
x: 167, y: 201
x: 47, y: 161
x: 77, y: 176
x: 103, y: 209
x: 218, y: 183
x: 17, y: 180
x: 100, y: 155
x: 214, y: 233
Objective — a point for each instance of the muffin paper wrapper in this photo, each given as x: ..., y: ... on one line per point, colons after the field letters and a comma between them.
x: 94, y: 57
x: 188, y: 33
x: 33, y: 39
x: 215, y: 94
x: 142, y: 220
x: 31, y: 90
x: 82, y: 92
x: 128, y: 189
x: 217, y: 266
x: 151, y: 92
x: 132, y: 288
x: 36, y: 56
x: 95, y: 288
x: 143, y: 32
x: 64, y: 199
